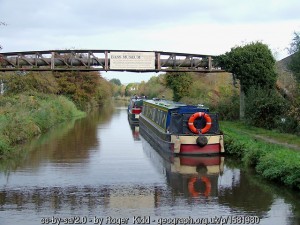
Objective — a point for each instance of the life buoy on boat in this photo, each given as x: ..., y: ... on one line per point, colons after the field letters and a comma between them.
x: 191, y: 186
x: 192, y: 120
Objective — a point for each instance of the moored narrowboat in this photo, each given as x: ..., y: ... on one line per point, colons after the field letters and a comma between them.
x: 180, y: 128
x: 134, y: 109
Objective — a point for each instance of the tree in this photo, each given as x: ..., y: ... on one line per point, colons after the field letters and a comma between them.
x: 254, y: 66
x: 115, y: 81
x: 131, y: 89
x: 179, y: 82
x: 156, y: 88
x: 86, y: 89
x: 294, y: 64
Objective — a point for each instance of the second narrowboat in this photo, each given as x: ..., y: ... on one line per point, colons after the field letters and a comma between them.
x: 134, y: 109
x: 180, y: 128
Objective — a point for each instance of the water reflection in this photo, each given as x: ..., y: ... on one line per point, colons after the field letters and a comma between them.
x: 69, y: 142
x: 135, y: 129
x: 97, y: 167
x: 214, y: 181
x: 189, y: 176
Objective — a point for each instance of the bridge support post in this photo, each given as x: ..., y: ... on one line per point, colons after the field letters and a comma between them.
x: 106, y: 61
x: 52, y: 65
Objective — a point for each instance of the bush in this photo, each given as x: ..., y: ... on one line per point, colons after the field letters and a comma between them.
x: 264, y: 108
x: 288, y: 124
x: 281, y: 165
x: 228, y: 107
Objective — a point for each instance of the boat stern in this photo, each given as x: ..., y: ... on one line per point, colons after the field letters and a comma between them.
x: 198, y: 144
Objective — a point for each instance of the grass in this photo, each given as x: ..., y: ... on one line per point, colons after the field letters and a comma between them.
x: 272, y: 134
x: 275, y: 162
x: 26, y: 115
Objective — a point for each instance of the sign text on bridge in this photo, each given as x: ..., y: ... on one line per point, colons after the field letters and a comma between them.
x: 107, y: 60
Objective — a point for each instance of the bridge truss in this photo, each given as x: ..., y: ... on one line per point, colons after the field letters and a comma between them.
x: 101, y: 60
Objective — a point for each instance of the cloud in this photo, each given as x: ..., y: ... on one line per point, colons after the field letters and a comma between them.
x: 204, y: 27
x: 94, y: 16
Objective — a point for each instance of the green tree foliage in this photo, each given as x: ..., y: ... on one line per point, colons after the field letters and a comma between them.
x: 253, y: 64
x: 115, y: 81
x: 180, y: 83
x: 294, y: 64
x: 131, y: 89
x: 156, y: 88
x: 116, y: 87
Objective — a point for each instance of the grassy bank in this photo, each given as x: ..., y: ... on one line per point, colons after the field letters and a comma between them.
x: 26, y: 115
x: 276, y: 162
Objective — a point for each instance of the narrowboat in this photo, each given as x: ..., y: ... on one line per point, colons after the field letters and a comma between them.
x: 134, y: 109
x: 181, y: 129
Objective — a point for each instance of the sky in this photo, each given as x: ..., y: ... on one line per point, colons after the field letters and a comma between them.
x: 190, y: 26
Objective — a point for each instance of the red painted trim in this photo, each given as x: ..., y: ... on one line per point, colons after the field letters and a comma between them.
x: 136, y: 110
x: 195, y: 149
x: 204, y: 160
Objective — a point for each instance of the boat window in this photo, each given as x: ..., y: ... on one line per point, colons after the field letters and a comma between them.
x: 162, y: 118
x: 138, y: 103
x: 153, y: 114
x: 156, y: 115
x: 147, y: 111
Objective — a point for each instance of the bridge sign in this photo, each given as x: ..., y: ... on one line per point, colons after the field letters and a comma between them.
x: 132, y: 60
x: 107, y: 60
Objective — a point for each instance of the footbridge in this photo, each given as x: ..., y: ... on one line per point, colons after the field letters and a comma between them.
x: 107, y: 60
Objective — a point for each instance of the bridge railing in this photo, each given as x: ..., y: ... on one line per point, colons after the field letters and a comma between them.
x: 107, y: 60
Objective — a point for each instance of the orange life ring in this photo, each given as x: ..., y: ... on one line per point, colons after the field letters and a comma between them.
x: 195, y: 116
x: 191, y: 186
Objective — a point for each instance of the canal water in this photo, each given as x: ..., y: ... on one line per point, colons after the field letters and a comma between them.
x: 100, y: 170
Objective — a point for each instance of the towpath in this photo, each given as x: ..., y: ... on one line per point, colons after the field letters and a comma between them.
x: 274, y: 137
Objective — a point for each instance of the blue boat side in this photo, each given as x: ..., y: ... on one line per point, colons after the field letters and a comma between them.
x: 170, y: 107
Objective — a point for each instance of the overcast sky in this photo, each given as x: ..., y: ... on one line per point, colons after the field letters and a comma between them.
x: 189, y: 26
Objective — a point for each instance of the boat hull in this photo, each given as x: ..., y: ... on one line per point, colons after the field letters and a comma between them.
x: 133, y: 118
x: 179, y: 144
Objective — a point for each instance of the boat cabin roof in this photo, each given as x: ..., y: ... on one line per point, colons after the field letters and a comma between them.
x: 170, y: 105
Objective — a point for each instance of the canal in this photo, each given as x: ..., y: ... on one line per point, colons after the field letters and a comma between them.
x: 100, y: 170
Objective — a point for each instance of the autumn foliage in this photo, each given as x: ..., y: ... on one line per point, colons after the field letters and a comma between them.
x: 85, y: 89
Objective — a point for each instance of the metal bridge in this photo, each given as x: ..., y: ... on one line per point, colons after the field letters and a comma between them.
x: 107, y: 60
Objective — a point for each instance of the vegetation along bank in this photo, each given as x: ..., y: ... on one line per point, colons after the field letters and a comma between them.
x: 256, y: 148
x: 32, y: 103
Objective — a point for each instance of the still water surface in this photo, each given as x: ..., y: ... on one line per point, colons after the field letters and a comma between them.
x: 100, y: 167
